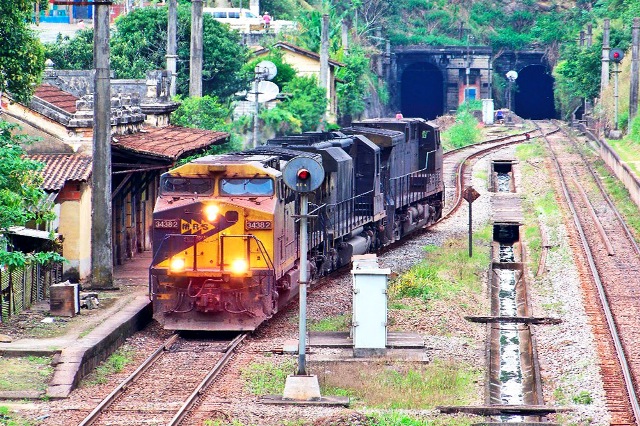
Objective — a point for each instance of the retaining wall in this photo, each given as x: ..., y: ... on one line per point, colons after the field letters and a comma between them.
x: 619, y: 167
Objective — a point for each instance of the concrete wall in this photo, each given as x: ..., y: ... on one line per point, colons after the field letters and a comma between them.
x: 619, y: 167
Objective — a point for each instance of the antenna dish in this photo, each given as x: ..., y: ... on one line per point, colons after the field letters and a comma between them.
x: 267, y: 91
x: 266, y: 70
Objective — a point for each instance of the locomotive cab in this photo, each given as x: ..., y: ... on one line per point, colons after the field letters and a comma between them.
x: 213, y: 244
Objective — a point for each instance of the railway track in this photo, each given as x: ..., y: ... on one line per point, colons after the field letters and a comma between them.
x: 610, y: 270
x: 165, y: 387
x: 458, y: 164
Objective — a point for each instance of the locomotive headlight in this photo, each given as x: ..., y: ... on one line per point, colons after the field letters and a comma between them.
x: 239, y: 266
x: 177, y: 264
x: 211, y: 211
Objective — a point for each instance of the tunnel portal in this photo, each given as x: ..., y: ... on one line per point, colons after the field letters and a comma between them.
x: 533, y: 98
x: 422, y: 91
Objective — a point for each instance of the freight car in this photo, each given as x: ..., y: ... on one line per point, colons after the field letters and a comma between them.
x: 225, y: 238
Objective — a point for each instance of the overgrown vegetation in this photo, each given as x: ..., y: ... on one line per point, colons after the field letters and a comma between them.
x: 114, y: 364
x: 403, y: 386
x: 21, y: 198
x: 7, y: 418
x: 336, y: 323
x: 464, y: 132
x: 267, y: 378
x: 446, y: 271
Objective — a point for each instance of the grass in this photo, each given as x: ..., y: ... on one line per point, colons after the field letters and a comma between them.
x: 335, y: 323
x: 620, y: 196
x: 7, y: 418
x: 628, y: 152
x: 114, y: 364
x: 446, y: 271
x: 267, y: 378
x: 464, y: 132
x: 402, y: 386
x: 24, y: 374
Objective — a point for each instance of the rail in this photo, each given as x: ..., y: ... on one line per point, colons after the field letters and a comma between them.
x: 601, y: 291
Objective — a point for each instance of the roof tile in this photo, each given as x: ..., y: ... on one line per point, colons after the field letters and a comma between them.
x: 60, y: 168
x: 51, y: 94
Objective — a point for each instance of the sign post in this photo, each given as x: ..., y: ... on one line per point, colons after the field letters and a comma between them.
x: 470, y: 195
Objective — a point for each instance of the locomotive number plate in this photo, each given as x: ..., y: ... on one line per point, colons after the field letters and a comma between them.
x: 252, y: 225
x: 165, y: 223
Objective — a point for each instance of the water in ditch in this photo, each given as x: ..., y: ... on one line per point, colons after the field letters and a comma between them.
x: 511, y: 391
x: 504, y: 182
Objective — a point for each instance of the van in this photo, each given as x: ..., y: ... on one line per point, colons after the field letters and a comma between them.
x: 239, y: 19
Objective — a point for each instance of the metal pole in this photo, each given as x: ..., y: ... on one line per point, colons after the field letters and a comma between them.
x: 195, y: 69
x: 509, y: 101
x: 302, y: 347
x: 604, y: 74
x: 254, y: 141
x: 615, y: 95
x: 324, y: 64
x: 172, y: 56
x: 101, y: 238
x: 633, y: 92
x: 470, y: 232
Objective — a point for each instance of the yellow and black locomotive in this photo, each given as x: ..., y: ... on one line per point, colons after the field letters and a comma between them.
x: 225, y: 241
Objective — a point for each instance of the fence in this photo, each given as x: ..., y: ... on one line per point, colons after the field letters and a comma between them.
x: 21, y: 288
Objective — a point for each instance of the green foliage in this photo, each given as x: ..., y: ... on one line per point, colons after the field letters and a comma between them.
x: 281, y: 9
x: 201, y: 113
x: 352, y: 90
x: 464, y: 132
x: 139, y: 44
x: 21, y: 53
x: 285, y: 71
x: 577, y: 76
x: 72, y: 53
x: 583, y: 398
x: 307, y: 102
x: 114, y: 364
x: 267, y: 378
x: 7, y: 418
x: 445, y: 272
x: 21, y: 198
x: 280, y: 121
x: 335, y: 323
x: 398, y: 418
x: 634, y: 133
x: 310, y: 23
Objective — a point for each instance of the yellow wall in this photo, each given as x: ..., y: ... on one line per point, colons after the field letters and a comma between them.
x: 308, y: 67
x: 75, y: 227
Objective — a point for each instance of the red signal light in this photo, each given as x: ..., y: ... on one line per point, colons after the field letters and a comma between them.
x: 303, y: 174
x: 616, y: 55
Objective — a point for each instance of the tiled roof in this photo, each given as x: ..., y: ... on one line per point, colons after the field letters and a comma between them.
x: 60, y: 168
x: 169, y: 142
x: 63, y: 100
x: 299, y: 50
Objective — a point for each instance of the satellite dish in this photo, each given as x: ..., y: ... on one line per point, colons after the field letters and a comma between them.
x: 266, y: 70
x: 512, y: 75
x: 267, y: 91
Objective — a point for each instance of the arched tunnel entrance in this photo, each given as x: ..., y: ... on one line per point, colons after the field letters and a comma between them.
x: 533, y: 98
x: 421, y: 91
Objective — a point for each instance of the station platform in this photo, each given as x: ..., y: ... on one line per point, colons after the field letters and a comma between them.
x: 83, y: 341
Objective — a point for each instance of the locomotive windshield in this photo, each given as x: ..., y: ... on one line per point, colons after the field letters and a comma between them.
x: 246, y: 187
x: 182, y: 185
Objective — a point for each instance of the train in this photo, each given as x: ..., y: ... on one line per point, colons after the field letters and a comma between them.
x: 226, y: 243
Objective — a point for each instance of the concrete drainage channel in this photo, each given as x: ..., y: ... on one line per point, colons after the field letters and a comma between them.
x: 514, y: 389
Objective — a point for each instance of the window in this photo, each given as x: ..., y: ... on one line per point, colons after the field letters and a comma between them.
x: 182, y: 185
x: 246, y: 187
x: 469, y: 93
x: 219, y: 14
x: 235, y: 15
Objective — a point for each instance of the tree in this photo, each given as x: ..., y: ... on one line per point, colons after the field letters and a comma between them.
x: 139, y: 44
x: 307, y: 102
x: 21, y: 198
x: 21, y: 53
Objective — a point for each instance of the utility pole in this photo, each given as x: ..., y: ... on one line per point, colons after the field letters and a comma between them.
x: 195, y: 68
x: 633, y: 92
x: 172, y: 57
x: 324, y: 61
x: 101, y: 238
x: 604, y: 75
